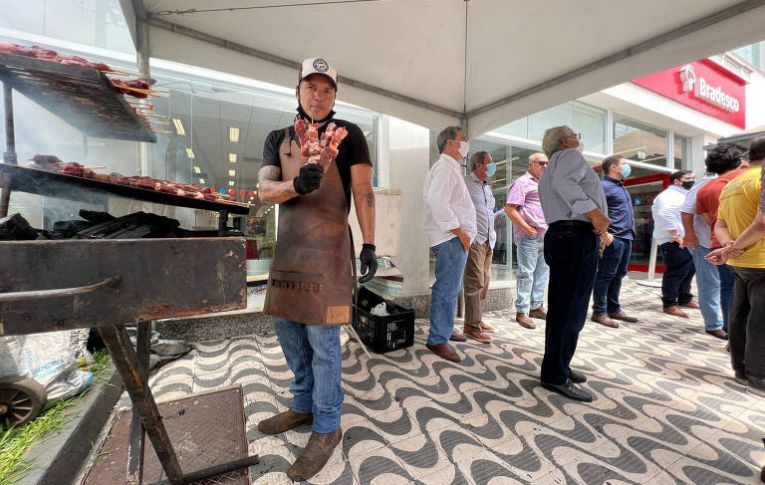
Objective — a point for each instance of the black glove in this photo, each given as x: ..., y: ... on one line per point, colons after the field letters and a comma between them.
x: 308, y: 179
x: 368, y: 262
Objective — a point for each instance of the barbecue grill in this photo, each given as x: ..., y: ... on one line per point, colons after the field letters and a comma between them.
x: 108, y: 284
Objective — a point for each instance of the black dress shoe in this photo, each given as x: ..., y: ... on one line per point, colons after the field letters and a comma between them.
x: 570, y: 390
x: 577, y: 377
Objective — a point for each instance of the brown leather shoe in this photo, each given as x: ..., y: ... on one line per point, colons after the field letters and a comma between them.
x: 486, y: 328
x: 620, y: 315
x: 675, y: 311
x: 690, y: 304
x: 315, y: 455
x: 285, y: 421
x: 477, y: 335
x: 525, y: 321
x: 445, y: 351
x: 604, y: 320
x: 718, y: 333
x: 457, y: 336
x: 539, y: 313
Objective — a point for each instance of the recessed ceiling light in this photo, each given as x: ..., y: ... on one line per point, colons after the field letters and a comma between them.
x: 197, y: 170
x: 232, y: 173
x: 232, y: 157
x: 179, y: 127
x: 230, y: 183
x: 233, y: 134
x: 190, y: 153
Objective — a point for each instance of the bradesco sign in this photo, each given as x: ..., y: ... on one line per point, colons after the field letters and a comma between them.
x: 704, y: 86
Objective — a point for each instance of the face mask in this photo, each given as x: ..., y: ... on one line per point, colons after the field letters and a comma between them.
x: 491, y: 169
x: 687, y: 184
x: 464, y: 149
x: 626, y: 170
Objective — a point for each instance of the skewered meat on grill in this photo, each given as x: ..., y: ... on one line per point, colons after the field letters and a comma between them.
x: 52, y: 163
x: 44, y: 54
x: 138, y: 88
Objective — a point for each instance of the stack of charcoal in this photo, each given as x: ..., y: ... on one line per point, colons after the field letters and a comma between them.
x: 101, y: 225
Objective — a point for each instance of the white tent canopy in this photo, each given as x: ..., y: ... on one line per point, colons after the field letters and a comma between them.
x: 481, y: 63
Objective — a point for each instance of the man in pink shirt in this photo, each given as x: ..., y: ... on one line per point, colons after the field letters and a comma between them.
x: 525, y: 211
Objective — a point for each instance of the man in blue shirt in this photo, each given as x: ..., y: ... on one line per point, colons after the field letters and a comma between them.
x: 613, y: 265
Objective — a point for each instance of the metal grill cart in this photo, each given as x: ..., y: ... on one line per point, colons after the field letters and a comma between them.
x: 63, y: 285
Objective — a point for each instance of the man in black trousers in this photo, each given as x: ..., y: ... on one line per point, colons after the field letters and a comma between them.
x: 575, y: 209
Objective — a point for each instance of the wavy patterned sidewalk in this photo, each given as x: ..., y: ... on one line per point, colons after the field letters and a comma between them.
x: 667, y: 409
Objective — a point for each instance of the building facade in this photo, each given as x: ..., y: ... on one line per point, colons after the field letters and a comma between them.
x: 211, y: 127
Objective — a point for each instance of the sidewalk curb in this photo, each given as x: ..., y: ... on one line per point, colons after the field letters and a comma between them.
x: 60, y: 458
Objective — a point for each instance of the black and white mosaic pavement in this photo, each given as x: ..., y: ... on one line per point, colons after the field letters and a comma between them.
x: 667, y: 409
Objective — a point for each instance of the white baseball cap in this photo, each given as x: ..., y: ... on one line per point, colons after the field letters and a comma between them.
x: 317, y: 65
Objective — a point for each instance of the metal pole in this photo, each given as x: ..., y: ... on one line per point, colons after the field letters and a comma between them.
x: 10, y: 132
x: 652, y: 260
x: 137, y: 437
x: 126, y: 361
x: 144, y: 72
x: 5, y: 195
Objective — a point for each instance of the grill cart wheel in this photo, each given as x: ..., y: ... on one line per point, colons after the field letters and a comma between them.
x: 20, y: 402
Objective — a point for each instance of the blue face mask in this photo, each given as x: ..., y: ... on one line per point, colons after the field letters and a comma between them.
x: 626, y: 170
x: 491, y: 169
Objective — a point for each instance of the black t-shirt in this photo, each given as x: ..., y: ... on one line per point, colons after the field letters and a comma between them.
x: 352, y: 150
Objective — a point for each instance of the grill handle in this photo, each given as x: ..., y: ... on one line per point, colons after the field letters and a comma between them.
x: 110, y: 282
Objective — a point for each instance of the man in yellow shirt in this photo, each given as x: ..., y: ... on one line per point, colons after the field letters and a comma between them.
x: 739, y: 229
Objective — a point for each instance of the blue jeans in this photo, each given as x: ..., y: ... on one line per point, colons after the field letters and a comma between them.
x: 612, y: 268
x: 572, y: 253
x: 676, y: 282
x: 531, y: 275
x: 450, y: 266
x: 708, y: 284
x: 727, y: 281
x: 313, y: 354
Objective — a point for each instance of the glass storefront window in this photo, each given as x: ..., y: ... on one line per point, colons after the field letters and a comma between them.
x: 642, y: 200
x: 539, y: 122
x: 681, y: 152
x: 98, y: 23
x: 638, y: 141
x: 209, y: 132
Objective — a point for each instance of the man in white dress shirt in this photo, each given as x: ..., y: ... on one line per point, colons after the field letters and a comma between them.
x: 668, y: 232
x: 450, y: 225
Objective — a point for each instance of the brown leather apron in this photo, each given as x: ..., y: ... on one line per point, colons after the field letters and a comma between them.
x: 311, y: 280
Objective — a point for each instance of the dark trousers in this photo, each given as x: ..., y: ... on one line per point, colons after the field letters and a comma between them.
x: 726, y: 291
x: 612, y: 268
x: 676, y: 282
x: 572, y: 254
x: 747, y: 325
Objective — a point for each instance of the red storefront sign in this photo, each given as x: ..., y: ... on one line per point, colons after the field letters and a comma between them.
x: 704, y: 86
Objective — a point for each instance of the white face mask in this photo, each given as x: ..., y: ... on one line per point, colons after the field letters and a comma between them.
x: 464, y: 149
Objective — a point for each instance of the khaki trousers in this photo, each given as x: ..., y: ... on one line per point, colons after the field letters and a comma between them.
x: 476, y: 283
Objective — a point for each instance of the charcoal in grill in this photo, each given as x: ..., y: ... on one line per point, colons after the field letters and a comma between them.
x: 16, y: 228
x: 131, y: 226
x: 96, y: 216
x: 68, y: 229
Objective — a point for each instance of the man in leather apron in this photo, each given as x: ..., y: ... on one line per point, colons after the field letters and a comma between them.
x: 310, y: 287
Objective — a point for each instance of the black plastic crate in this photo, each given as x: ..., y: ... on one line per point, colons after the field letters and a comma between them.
x: 382, y: 333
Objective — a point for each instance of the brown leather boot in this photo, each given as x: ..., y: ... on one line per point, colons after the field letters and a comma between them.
x: 315, y: 455
x: 284, y: 422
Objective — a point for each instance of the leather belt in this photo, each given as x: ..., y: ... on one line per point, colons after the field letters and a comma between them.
x: 573, y: 223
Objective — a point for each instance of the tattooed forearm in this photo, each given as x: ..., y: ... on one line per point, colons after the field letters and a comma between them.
x: 369, y: 197
x: 271, y: 187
